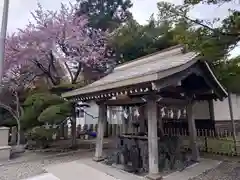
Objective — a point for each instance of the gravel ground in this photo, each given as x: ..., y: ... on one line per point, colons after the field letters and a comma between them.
x: 225, y: 171
x: 18, y: 171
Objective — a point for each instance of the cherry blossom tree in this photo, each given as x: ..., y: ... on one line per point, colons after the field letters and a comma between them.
x: 12, y: 94
x: 48, y: 47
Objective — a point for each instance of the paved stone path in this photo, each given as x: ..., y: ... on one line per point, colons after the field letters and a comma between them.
x: 45, y: 176
x: 225, y: 171
x: 18, y: 171
x: 193, y: 170
x: 75, y: 171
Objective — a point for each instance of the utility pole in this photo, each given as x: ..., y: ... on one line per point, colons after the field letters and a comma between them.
x: 232, y: 121
x: 3, y: 36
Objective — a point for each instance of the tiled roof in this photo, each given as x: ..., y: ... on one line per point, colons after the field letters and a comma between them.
x: 146, y: 69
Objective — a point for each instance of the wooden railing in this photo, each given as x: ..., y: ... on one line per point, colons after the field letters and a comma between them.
x: 218, y: 142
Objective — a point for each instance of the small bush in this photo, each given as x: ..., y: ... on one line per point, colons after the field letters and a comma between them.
x: 41, y: 135
x: 55, y: 114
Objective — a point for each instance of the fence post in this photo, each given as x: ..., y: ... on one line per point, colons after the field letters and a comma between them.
x: 66, y: 131
x: 96, y: 127
x: 114, y: 132
x: 85, y: 127
x: 118, y: 129
x: 90, y: 127
x: 206, y: 144
x: 121, y: 129
x: 109, y: 130
x: 205, y: 139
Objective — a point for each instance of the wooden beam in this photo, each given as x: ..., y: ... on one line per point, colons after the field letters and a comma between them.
x: 139, y: 101
x: 192, y: 131
x: 125, y: 102
x: 211, y: 110
x: 174, y: 79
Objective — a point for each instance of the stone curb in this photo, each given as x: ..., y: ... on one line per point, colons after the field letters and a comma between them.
x: 45, y: 157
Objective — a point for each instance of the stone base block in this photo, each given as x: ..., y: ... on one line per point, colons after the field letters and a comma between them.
x: 18, y: 149
x: 154, y: 177
x: 5, y: 153
x: 98, y: 159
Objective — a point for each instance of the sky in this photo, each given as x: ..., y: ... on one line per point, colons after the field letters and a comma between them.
x: 20, y: 10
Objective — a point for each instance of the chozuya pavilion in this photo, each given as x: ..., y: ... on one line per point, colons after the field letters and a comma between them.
x: 172, y: 76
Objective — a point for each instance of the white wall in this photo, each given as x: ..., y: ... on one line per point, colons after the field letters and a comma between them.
x: 114, y: 115
x: 201, y: 111
x: 93, y: 111
x: 221, y: 108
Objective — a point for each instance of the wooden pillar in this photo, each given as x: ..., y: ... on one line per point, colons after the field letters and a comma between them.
x: 152, y: 137
x: 62, y: 131
x: 125, y: 122
x: 66, y: 130
x: 107, y: 122
x: 102, y: 117
x: 192, y: 131
x: 130, y: 119
x: 142, y: 118
x: 160, y: 121
x: 74, y: 125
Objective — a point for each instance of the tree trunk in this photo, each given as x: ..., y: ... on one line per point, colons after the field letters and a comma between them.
x: 54, y: 80
x: 74, y: 132
x: 18, y: 118
x: 18, y: 132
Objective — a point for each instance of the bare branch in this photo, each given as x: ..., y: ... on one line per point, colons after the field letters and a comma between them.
x: 212, y: 29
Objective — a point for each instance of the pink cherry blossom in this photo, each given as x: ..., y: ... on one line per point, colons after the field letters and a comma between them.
x: 64, y: 31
